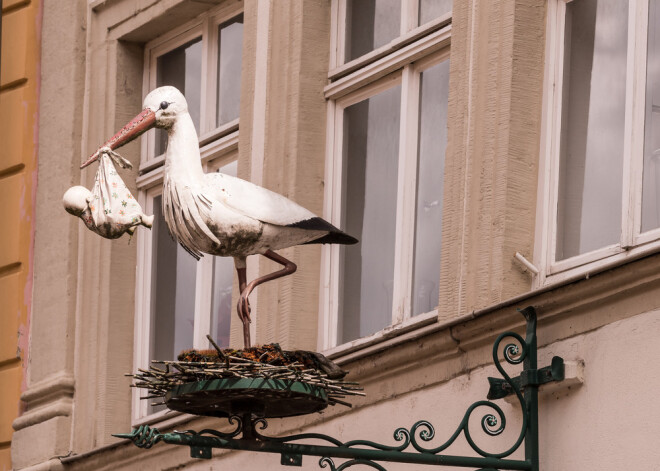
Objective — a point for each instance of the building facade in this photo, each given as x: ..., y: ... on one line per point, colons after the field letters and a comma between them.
x: 489, y: 154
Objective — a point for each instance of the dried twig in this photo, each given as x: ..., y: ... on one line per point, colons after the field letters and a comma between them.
x: 290, y: 366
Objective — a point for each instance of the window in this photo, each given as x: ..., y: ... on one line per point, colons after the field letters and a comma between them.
x: 599, y: 200
x: 385, y: 164
x: 181, y: 300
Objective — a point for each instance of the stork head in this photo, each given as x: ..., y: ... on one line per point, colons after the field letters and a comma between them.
x: 166, y: 103
x: 161, y: 108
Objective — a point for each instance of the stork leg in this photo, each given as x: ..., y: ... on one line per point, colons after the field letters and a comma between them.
x: 243, y: 315
x: 245, y: 289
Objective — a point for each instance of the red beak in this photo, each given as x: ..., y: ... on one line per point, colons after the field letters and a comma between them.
x: 138, y: 125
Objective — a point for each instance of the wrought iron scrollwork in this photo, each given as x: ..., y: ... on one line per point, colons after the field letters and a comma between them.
x: 516, y: 350
x: 323, y: 462
x: 226, y: 435
x: 400, y: 435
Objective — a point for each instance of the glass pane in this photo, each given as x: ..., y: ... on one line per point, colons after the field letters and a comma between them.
x: 173, y: 273
x: 181, y: 68
x: 593, y: 108
x: 431, y: 9
x: 230, y: 47
x: 434, y: 95
x: 223, y: 278
x: 370, y: 24
x: 651, y: 183
x: 371, y: 147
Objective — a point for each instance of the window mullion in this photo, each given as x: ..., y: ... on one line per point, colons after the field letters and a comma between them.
x: 142, y: 327
x: 209, y: 72
x: 630, y: 191
x: 329, y: 293
x: 637, y: 131
x: 555, y: 136
x: 409, y: 14
x: 149, y: 142
x: 339, y: 52
x: 406, y: 189
x: 203, y: 302
x: 543, y: 222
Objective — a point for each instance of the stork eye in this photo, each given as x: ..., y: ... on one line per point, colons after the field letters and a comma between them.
x: 164, y: 105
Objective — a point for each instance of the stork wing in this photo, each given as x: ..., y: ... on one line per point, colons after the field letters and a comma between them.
x: 254, y: 201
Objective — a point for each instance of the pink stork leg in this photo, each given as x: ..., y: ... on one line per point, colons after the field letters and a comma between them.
x: 243, y: 307
x: 242, y: 283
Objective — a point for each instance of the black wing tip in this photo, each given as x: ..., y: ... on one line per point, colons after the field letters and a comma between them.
x: 314, y: 224
x: 334, y: 236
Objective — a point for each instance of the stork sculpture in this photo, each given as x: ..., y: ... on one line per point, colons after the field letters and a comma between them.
x: 219, y: 214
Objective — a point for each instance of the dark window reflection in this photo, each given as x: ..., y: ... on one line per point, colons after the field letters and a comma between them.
x: 230, y: 47
x: 429, y: 10
x: 651, y: 183
x: 181, y: 68
x: 371, y: 133
x: 593, y: 115
x: 173, y: 273
x: 370, y: 24
x: 434, y: 93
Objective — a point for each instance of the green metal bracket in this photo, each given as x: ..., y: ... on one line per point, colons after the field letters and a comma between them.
x: 368, y: 453
x: 200, y: 452
x: 291, y: 459
x: 500, y: 389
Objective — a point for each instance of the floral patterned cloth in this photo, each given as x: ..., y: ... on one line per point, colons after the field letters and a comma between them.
x: 112, y: 208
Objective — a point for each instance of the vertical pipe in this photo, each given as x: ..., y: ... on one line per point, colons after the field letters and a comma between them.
x: 531, y: 392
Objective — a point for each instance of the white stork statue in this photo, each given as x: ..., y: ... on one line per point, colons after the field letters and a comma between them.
x: 219, y: 214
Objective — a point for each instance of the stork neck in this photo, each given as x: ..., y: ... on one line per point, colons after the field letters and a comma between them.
x: 182, y: 159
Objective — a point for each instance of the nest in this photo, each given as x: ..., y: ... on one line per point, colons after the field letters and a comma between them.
x: 268, y: 362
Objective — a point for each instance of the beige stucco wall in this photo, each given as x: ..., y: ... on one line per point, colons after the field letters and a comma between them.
x: 494, y: 124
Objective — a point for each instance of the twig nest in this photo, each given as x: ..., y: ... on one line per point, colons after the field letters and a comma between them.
x: 265, y: 381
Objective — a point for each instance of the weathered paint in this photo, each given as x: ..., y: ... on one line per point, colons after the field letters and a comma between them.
x: 19, y: 98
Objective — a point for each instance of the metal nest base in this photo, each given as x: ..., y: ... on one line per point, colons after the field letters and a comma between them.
x: 264, y: 381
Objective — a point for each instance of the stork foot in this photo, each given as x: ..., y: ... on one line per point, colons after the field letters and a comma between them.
x: 243, y: 308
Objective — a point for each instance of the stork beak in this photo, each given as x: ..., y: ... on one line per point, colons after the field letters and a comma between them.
x: 138, y: 125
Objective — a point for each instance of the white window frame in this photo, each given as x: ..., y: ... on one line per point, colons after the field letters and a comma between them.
x: 633, y: 243
x: 218, y: 147
x: 367, y: 76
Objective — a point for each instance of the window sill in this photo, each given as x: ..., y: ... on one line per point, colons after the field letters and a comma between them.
x: 426, y: 324
x: 392, y: 46
x: 414, y: 324
x: 211, y: 144
x: 151, y: 173
x: 606, y: 261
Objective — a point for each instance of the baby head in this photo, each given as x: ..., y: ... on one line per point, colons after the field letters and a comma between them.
x: 76, y: 200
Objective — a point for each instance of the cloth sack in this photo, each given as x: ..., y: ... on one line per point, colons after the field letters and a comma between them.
x: 112, y: 209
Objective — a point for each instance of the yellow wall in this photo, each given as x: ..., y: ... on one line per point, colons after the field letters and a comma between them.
x: 19, y: 85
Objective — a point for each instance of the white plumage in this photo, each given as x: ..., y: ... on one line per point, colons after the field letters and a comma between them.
x: 216, y: 213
